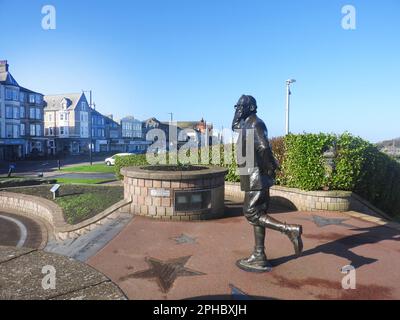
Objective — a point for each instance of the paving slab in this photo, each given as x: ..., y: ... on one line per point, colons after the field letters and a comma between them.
x: 21, y: 277
x: 150, y: 259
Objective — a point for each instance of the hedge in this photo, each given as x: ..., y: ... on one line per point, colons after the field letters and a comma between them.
x: 358, y: 166
x: 216, y: 156
x: 128, y: 161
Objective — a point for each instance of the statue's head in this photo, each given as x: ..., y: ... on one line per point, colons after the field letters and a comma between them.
x: 246, y: 106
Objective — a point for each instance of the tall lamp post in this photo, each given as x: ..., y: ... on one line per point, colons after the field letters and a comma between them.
x: 90, y: 127
x: 288, y: 93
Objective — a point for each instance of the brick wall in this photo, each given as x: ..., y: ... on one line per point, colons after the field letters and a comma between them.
x: 155, y: 197
x: 300, y: 199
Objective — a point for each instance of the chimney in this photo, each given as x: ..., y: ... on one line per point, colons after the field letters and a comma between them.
x: 3, y: 66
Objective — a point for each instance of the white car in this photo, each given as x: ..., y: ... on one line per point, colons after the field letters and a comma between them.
x: 111, y: 160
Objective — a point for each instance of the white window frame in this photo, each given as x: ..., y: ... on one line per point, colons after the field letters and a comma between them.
x: 22, y: 129
x: 32, y: 130
x: 38, y: 130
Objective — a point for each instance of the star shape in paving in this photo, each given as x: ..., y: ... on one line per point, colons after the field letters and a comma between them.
x: 165, y: 272
x: 323, y: 222
x: 183, y: 238
x: 238, y: 294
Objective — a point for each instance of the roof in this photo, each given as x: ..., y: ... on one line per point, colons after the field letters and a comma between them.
x: 191, y: 124
x: 7, y: 79
x: 130, y: 118
x: 29, y: 91
x: 54, y: 102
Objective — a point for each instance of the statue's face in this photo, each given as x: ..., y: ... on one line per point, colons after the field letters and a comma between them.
x: 242, y: 111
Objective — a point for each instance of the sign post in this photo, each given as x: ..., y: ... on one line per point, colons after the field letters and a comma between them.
x: 55, y: 190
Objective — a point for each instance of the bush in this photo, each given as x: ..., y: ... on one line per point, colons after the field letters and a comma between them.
x: 304, y: 166
x: 279, y: 152
x: 358, y: 166
x: 127, y: 161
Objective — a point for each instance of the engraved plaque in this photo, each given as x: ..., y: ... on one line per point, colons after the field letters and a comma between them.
x: 160, y: 193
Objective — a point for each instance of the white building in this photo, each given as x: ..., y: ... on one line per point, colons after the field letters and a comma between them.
x: 67, y: 123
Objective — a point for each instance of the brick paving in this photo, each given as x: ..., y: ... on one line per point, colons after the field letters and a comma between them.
x: 146, y: 256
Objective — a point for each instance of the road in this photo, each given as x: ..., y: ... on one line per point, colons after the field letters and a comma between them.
x: 29, y: 168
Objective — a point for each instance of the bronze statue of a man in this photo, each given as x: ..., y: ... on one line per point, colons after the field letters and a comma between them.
x: 256, y: 177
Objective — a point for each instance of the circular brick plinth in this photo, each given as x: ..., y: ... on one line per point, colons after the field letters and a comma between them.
x: 175, y: 195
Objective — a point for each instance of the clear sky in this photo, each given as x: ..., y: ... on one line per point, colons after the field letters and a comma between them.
x: 196, y: 57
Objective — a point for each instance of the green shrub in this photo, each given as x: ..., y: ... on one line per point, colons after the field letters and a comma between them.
x: 304, y: 166
x: 127, y: 161
x: 358, y: 166
x: 278, y: 149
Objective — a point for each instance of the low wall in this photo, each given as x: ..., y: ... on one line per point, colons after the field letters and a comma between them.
x: 313, y: 200
x: 53, y: 214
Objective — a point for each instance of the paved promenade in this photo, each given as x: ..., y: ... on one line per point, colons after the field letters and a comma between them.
x: 23, y: 276
x: 181, y: 260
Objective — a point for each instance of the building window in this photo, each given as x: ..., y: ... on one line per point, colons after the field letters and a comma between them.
x: 39, y: 98
x: 22, y: 129
x: 16, y: 113
x: 22, y: 97
x: 9, y: 112
x: 51, y: 131
x: 63, y: 116
x: 22, y: 112
x: 32, y: 113
x: 31, y: 98
x: 16, y: 131
x: 9, y: 131
x: 32, y: 131
x: 8, y: 94
x: 50, y: 117
x: 83, y: 105
x: 62, y: 131
x: 38, y: 130
x: 38, y: 114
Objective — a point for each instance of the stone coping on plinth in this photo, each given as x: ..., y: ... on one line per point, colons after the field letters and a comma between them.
x: 331, y: 200
x: 142, y: 173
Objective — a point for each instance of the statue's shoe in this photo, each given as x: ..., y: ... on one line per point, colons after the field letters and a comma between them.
x: 294, y: 232
x: 255, y: 263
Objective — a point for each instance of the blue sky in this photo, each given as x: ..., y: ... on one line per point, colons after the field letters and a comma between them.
x: 196, y: 57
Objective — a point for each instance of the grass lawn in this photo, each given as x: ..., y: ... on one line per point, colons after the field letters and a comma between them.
x: 79, y: 202
x: 95, y: 168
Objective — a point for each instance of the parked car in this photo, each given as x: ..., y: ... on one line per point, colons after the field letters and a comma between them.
x: 111, y: 160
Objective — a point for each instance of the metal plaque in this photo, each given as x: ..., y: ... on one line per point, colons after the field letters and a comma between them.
x: 160, y: 193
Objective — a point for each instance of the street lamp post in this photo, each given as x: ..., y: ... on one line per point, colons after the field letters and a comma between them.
x: 288, y: 93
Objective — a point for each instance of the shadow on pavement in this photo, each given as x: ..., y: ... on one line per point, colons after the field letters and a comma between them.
x: 342, y: 247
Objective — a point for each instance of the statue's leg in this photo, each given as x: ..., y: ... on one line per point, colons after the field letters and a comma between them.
x: 293, y: 231
x: 257, y: 262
